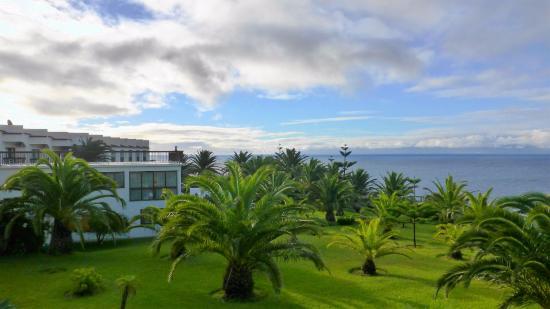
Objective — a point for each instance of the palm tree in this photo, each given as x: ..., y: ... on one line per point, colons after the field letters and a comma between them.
x: 65, y: 190
x: 204, y: 160
x: 312, y: 171
x: 255, y: 163
x: 128, y: 287
x: 449, y: 233
x: 478, y: 207
x: 448, y: 198
x: 525, y: 202
x: 363, y: 187
x: 370, y: 241
x: 251, y: 228
x: 396, y: 183
x: 333, y: 193
x: 241, y: 157
x: 386, y: 208
x: 512, y: 252
x: 290, y: 160
x: 92, y: 150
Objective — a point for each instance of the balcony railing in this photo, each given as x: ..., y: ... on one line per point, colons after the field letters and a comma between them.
x: 31, y: 157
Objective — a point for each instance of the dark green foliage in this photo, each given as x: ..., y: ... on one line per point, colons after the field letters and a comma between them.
x: 512, y: 251
x: 241, y: 157
x: 363, y: 188
x: 396, y: 183
x: 92, y: 150
x: 345, y: 152
x: 85, y: 281
x: 256, y: 162
x: 16, y: 233
x: 111, y: 224
x: 5, y: 304
x: 290, y: 161
x: 333, y: 195
x: 245, y: 219
x: 66, y: 190
x: 203, y: 161
x: 346, y: 221
x: 448, y: 198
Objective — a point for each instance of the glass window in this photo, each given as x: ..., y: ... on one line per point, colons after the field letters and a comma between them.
x: 118, y: 177
x: 171, y: 179
x: 146, y: 186
x: 135, y: 180
x: 160, y: 178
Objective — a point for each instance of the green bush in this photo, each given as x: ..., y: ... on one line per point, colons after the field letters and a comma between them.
x: 86, y: 281
x: 5, y: 304
x: 345, y: 221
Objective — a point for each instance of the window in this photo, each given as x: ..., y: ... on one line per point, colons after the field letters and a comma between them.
x: 118, y: 177
x: 147, y: 186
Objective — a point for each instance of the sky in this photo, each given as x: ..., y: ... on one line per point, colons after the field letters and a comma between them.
x: 381, y: 76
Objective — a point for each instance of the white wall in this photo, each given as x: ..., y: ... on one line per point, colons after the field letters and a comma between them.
x: 132, y: 207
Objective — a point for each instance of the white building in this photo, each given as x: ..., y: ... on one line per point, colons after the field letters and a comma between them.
x: 29, y: 142
x: 140, y: 182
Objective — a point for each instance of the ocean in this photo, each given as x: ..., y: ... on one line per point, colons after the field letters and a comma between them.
x: 506, y: 174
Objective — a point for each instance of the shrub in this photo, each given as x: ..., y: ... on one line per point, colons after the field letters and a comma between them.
x: 5, y: 304
x: 346, y: 221
x: 86, y: 281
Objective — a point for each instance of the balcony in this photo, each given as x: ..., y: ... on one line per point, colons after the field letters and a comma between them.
x: 31, y: 157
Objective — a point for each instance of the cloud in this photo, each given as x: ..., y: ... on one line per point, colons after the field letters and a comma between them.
x: 187, y: 48
x: 322, y: 120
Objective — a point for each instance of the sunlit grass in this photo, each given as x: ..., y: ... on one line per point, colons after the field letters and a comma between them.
x: 40, y: 281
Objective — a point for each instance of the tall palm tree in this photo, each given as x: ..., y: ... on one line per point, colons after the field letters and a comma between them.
x: 512, y: 251
x: 370, y: 241
x: 250, y: 227
x: 386, y: 208
x: 203, y: 161
x: 312, y: 171
x: 395, y: 183
x: 92, y: 150
x: 66, y: 191
x: 256, y: 162
x: 333, y: 193
x: 449, y: 198
x: 363, y: 187
x: 241, y: 157
x: 290, y: 160
x: 478, y: 207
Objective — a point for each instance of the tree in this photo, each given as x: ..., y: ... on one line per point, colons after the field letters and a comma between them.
x: 112, y: 223
x: 204, y: 160
x: 312, y: 172
x: 66, y: 190
x: 290, y: 161
x: 449, y: 198
x: 525, y: 202
x: 386, y: 208
x: 256, y: 162
x: 370, y: 241
x: 413, y: 212
x: 363, y: 187
x: 449, y: 233
x: 478, y: 207
x: 128, y: 287
x: 395, y: 183
x: 333, y: 193
x: 92, y: 150
x: 16, y: 233
x: 345, y: 152
x: 241, y: 157
x: 512, y: 251
x: 249, y: 227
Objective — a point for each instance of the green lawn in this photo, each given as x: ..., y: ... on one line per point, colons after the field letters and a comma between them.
x: 403, y: 283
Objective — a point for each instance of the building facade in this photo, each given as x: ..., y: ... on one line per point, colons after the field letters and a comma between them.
x: 140, y: 174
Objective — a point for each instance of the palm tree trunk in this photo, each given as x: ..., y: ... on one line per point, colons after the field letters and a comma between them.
x: 330, y: 216
x: 61, y: 241
x: 238, y: 283
x: 414, y: 232
x: 369, y: 268
x: 457, y: 255
x: 124, y: 298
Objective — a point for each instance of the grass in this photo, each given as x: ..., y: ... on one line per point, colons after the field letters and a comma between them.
x: 40, y: 281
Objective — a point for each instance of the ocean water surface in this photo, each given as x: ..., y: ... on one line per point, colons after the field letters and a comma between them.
x: 506, y: 174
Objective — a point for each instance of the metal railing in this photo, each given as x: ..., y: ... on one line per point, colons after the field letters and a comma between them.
x: 31, y: 157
